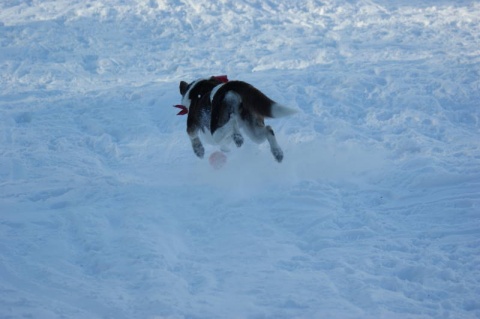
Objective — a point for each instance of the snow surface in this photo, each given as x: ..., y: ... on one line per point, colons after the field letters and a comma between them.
x: 105, y: 212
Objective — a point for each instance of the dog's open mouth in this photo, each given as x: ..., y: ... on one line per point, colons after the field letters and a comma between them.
x: 183, y: 109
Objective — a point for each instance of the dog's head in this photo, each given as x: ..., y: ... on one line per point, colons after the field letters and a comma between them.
x: 192, y: 93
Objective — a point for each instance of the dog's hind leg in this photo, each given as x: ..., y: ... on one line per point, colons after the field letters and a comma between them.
x: 258, y: 132
x: 274, y: 147
x: 237, y: 136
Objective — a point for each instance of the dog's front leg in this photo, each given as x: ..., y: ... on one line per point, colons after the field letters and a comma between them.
x: 198, y: 147
x: 196, y: 143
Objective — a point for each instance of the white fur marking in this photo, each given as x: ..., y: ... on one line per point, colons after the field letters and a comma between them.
x: 223, y: 135
x: 185, y: 99
x: 279, y: 110
x: 214, y: 91
x: 233, y: 98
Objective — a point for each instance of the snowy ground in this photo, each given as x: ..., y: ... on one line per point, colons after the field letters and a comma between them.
x: 105, y: 212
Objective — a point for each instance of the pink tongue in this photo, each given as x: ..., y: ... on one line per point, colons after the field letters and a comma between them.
x: 183, y: 109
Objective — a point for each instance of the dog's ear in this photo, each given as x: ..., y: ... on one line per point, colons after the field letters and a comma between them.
x: 183, y: 87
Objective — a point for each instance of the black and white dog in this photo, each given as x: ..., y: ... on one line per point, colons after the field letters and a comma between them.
x: 222, y: 109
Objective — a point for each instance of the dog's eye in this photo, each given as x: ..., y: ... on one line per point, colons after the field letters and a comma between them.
x: 199, y: 96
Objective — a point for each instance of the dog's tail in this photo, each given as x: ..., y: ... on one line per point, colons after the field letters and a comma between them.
x: 251, y: 99
x: 279, y: 110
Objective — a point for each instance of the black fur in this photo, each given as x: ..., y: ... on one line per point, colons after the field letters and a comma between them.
x: 236, y: 103
x: 254, y: 106
x: 200, y: 107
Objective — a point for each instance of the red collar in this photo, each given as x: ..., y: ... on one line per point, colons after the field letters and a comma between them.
x: 221, y: 78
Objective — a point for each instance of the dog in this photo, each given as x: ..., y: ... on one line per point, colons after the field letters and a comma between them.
x: 222, y: 109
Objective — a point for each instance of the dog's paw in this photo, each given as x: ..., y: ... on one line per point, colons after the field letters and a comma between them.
x: 238, y: 139
x: 198, y: 148
x: 200, y: 152
x: 278, y: 154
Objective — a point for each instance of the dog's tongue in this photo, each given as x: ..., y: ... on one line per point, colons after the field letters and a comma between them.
x: 221, y: 78
x: 183, y: 109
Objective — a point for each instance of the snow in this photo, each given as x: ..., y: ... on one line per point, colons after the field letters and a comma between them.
x: 105, y: 212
